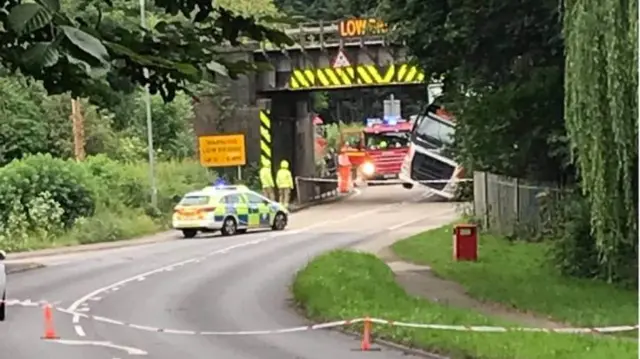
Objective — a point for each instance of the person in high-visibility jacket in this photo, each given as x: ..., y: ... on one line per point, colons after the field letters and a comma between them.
x: 266, y: 180
x: 284, y: 181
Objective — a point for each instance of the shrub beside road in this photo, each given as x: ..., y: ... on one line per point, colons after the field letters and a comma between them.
x: 50, y: 202
x: 346, y: 285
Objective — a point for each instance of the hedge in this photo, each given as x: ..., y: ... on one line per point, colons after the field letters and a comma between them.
x: 47, y: 200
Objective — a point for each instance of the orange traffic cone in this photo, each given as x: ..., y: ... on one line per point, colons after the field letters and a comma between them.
x: 365, y: 345
x: 49, y: 331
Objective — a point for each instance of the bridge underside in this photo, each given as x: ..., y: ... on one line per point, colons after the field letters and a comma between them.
x: 281, y: 97
x: 360, y: 76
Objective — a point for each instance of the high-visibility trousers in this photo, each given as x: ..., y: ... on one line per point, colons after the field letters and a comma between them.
x: 344, y: 179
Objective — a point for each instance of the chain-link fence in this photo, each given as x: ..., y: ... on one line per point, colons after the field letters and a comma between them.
x: 508, y: 205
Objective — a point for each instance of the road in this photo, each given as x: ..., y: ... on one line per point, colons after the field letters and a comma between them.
x: 212, y: 283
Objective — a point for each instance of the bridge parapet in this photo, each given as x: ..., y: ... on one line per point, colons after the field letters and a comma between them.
x: 355, y: 32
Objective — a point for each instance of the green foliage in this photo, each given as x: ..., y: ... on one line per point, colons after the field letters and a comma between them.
x: 256, y: 8
x: 51, y: 202
x: 99, y: 52
x: 79, y: 52
x: 128, y: 183
x: 574, y: 250
x: 332, y: 133
x: 515, y: 129
x: 42, y: 218
x: 327, y: 9
x: 68, y: 184
x: 347, y: 285
x: 601, y: 114
x: 36, y: 123
x: 109, y: 225
x: 27, y: 125
x: 502, y: 65
x: 121, y: 184
x: 464, y: 192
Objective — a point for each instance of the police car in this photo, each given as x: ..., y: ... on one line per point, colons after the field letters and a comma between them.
x: 3, y: 286
x: 228, y: 209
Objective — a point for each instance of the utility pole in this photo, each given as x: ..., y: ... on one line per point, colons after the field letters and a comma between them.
x: 147, y: 100
x: 77, y: 119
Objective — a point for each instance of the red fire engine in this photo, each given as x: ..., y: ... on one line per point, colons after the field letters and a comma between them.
x: 377, y: 151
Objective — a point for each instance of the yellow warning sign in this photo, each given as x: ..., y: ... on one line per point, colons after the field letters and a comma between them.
x: 222, y: 150
x: 362, y: 27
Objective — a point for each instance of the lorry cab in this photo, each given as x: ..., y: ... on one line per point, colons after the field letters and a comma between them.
x: 428, y: 162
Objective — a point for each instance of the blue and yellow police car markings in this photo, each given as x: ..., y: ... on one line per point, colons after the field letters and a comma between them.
x: 265, y: 219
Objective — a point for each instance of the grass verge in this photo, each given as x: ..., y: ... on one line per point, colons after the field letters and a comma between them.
x: 344, y: 285
x: 518, y: 275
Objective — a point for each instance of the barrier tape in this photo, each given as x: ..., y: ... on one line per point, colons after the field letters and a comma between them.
x: 26, y: 303
x: 303, y: 328
x: 389, y: 181
x: 334, y: 324
x: 490, y: 329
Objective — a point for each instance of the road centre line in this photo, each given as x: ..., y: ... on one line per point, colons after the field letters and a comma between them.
x: 73, y: 308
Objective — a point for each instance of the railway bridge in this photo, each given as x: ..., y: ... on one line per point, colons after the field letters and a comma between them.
x: 348, y: 54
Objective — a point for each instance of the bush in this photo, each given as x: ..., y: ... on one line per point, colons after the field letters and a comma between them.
x: 122, y: 183
x: 109, y: 226
x: 574, y: 249
x: 68, y: 184
x: 41, y: 220
x: 50, y: 202
x: 128, y: 183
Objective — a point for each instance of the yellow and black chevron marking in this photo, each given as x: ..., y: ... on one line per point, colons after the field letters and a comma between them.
x: 360, y: 75
x: 265, y: 136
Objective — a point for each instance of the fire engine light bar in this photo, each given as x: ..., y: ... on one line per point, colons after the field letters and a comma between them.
x: 387, y: 121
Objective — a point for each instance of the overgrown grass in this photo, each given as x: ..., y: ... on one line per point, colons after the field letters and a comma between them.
x: 104, y: 226
x: 343, y: 284
x: 518, y: 275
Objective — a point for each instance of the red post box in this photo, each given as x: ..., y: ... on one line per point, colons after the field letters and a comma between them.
x: 465, y: 242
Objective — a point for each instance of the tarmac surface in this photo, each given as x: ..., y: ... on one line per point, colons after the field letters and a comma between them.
x: 158, y: 297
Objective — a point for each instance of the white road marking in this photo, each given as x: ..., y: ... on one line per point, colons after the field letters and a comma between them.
x: 74, y: 307
x: 79, y: 331
x: 144, y: 327
x: 129, y: 350
x: 176, y: 331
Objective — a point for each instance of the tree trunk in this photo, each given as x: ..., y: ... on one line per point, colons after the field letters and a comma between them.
x: 78, y: 130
